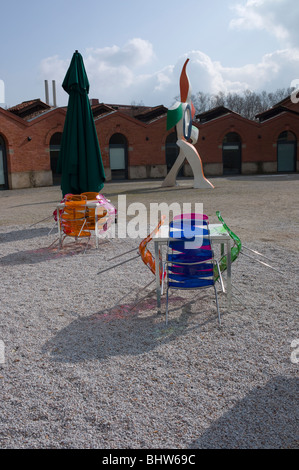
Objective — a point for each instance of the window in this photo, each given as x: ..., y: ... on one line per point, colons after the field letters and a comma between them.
x: 286, y: 152
x: 118, y: 153
x: 3, y: 165
x: 231, y: 154
x: 54, y: 155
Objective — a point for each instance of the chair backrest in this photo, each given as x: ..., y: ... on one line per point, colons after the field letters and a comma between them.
x: 107, y: 204
x: 190, y: 228
x: 192, y: 215
x: 91, y: 195
x: 73, y: 218
x: 75, y: 198
x: 190, y: 261
x: 91, y: 212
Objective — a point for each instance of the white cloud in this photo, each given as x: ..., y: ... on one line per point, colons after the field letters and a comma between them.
x: 269, y: 73
x: 116, y: 73
x: 112, y: 71
x: 135, y: 53
x: 279, y: 18
x: 53, y: 67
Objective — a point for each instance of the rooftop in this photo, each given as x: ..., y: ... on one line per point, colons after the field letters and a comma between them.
x: 29, y: 109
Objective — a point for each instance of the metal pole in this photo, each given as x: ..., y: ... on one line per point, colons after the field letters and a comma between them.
x: 54, y: 93
x: 47, y: 91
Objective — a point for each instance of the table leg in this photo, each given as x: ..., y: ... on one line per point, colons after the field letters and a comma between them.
x: 59, y: 228
x: 222, y: 249
x: 158, y: 286
x: 96, y: 227
x: 229, y: 274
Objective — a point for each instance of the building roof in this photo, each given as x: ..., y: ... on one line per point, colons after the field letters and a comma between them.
x: 29, y: 109
x: 214, y: 113
x: 140, y: 112
x: 99, y: 109
x: 274, y: 111
x: 151, y: 113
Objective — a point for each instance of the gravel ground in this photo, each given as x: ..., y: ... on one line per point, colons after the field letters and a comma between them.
x: 90, y: 363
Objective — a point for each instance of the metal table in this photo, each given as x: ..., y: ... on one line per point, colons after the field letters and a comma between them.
x: 218, y: 235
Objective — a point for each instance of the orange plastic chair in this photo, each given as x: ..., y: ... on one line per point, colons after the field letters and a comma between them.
x: 90, y: 211
x: 90, y: 196
x: 73, y: 218
x: 75, y: 197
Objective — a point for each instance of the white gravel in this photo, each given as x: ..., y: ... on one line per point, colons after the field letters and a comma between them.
x: 89, y: 363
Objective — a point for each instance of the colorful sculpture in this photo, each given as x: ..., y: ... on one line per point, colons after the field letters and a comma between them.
x: 181, y: 115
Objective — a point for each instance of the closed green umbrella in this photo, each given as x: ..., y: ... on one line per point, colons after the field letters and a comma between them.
x: 80, y: 161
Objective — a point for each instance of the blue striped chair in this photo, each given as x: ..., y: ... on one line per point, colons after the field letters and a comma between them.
x: 190, y: 260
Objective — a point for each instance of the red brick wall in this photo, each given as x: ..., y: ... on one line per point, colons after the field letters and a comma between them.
x: 29, y: 155
x: 146, y: 142
x: 258, y: 139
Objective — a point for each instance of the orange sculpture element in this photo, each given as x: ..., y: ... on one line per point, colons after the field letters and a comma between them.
x: 184, y: 83
x: 146, y: 255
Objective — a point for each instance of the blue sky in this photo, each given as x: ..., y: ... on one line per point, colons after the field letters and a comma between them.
x: 134, y: 50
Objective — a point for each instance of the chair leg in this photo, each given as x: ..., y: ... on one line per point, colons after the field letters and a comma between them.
x: 166, y: 317
x: 87, y: 244
x: 220, y: 277
x: 61, y: 240
x: 162, y: 283
x: 55, y: 241
x: 217, y: 305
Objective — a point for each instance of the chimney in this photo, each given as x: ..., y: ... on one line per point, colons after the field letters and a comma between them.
x: 93, y: 101
x: 54, y: 93
x: 47, y: 91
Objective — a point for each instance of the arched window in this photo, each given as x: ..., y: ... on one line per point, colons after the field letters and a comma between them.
x: 118, y: 153
x: 55, y: 142
x: 3, y: 165
x: 232, y: 154
x: 286, y: 152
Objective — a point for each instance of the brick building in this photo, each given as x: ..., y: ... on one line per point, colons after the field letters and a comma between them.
x: 231, y: 144
x: 135, y: 144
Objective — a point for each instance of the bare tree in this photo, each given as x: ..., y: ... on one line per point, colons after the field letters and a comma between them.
x: 248, y: 104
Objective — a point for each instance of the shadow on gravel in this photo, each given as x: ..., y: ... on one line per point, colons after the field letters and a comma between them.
x: 48, y: 253
x: 126, y: 329
x: 24, y: 234
x: 41, y: 255
x: 267, y: 418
